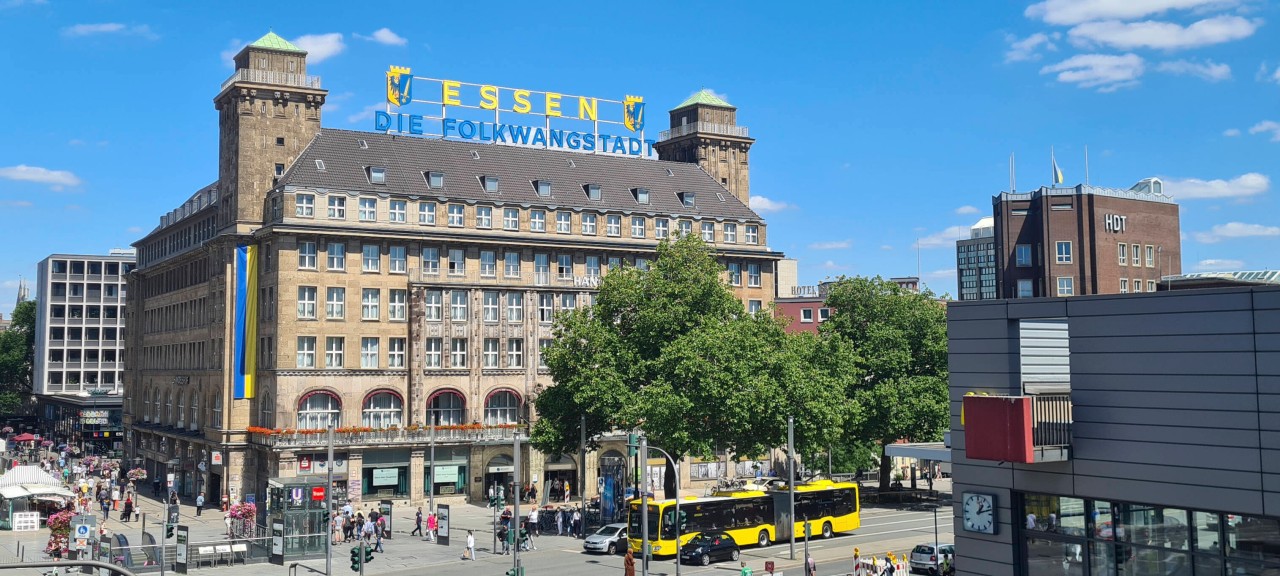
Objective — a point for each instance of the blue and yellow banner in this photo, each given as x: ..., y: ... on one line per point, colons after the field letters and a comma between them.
x: 246, y: 327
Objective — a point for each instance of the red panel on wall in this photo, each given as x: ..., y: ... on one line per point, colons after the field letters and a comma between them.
x: 998, y: 428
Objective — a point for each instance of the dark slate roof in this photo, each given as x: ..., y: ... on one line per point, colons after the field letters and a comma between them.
x: 406, y: 158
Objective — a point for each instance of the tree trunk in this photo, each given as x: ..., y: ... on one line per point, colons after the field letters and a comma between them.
x: 669, y: 481
x: 886, y: 469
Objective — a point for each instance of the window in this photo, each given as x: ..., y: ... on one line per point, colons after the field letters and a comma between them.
x: 377, y: 175
x: 806, y: 314
x: 398, y: 261
x: 369, y: 353
x: 753, y: 275
x: 1064, y: 252
x: 307, y: 302
x: 455, y: 215
x: 335, y: 303
x: 488, y: 263
x: 431, y: 261
x: 369, y: 303
x: 642, y: 264
x: 824, y: 314
x: 1024, y: 289
x: 1122, y: 252
x: 564, y: 222
x: 306, y: 256
x: 484, y: 217
x: 1137, y: 255
x: 304, y: 205
x: 593, y: 266
x: 542, y: 187
x: 371, y: 257
x: 546, y: 307
x: 319, y: 411
x: 1137, y: 285
x: 538, y: 220
x: 427, y: 213
x: 490, y: 183
x: 337, y: 208
x: 613, y: 225
x: 431, y: 357
x: 515, y: 353
x: 395, y: 352
x: 753, y: 306
x: 661, y: 227
x: 501, y: 408
x: 435, y: 180
x: 511, y: 264
x: 1151, y: 256
x: 306, y: 352
x: 397, y: 211
x: 490, y: 353
x: 489, y: 300
x: 1066, y: 286
x: 447, y: 409
x: 336, y: 253
x: 1151, y: 285
x: 457, y: 262
x: 458, y: 305
x: 458, y: 353
x: 333, y: 352
x: 1022, y: 254
x: 541, y: 269
x: 615, y: 263
x: 730, y: 233
x: 368, y: 209
x: 752, y: 234
x: 589, y: 224
x: 515, y: 307
x: 396, y: 304
x: 637, y: 226
x: 687, y: 199
x: 511, y: 219
x: 543, y: 345
x: 432, y: 304
x: 593, y: 191
x: 735, y: 274
x: 1124, y: 285
x: 708, y: 232
x: 684, y: 227
x: 564, y: 266
x: 641, y: 195
x: 382, y: 410
x: 568, y: 301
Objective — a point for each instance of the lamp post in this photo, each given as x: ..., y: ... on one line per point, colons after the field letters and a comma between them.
x: 675, y: 464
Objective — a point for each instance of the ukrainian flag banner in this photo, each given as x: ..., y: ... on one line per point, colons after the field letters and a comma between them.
x: 246, y: 324
x: 1057, y: 172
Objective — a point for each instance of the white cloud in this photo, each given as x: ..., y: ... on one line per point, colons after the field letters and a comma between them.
x: 79, y: 30
x: 1068, y: 12
x: 1216, y: 265
x: 1163, y: 35
x: 1235, y: 230
x: 133, y: 229
x: 15, y: 203
x: 56, y: 179
x: 831, y: 245
x: 967, y: 210
x: 228, y: 55
x: 1231, y: 132
x: 365, y: 113
x: 17, y: 3
x: 832, y: 265
x: 320, y: 47
x: 1267, y: 127
x: 384, y: 36
x: 719, y: 95
x: 886, y: 247
x: 1207, y: 70
x: 1025, y: 49
x: 1244, y: 185
x: 1106, y: 72
x: 943, y: 239
x: 941, y: 274
x: 75, y: 142
x: 764, y: 205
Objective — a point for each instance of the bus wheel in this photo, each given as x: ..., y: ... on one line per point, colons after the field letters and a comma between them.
x: 826, y: 529
x: 763, y: 540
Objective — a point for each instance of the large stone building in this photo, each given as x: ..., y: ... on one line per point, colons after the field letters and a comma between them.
x: 397, y: 288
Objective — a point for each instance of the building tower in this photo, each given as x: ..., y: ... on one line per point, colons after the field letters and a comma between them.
x: 23, y: 294
x: 704, y: 131
x: 269, y: 110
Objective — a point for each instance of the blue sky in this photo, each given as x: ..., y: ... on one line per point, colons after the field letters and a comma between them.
x: 878, y: 125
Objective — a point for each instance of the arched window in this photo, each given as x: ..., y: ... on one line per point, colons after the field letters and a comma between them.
x: 155, y: 408
x: 502, y: 407
x: 195, y: 411
x: 146, y: 406
x: 182, y: 410
x: 267, y: 412
x: 319, y: 410
x: 447, y: 408
x: 382, y: 410
x: 217, y: 410
x: 168, y: 407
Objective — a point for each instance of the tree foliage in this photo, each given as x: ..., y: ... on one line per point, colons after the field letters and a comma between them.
x: 17, y: 348
x: 900, y: 343
x: 671, y: 351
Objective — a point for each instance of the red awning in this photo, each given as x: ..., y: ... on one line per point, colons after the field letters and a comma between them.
x: 24, y: 437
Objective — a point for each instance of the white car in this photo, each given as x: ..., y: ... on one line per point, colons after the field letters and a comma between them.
x: 927, y: 560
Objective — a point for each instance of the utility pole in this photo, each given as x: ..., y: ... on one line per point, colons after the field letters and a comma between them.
x: 431, y: 487
x: 644, y: 507
x: 328, y: 504
x: 515, y: 500
x: 582, y: 473
x: 791, y: 482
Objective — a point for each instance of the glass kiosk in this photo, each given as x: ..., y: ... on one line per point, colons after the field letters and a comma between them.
x: 290, y: 500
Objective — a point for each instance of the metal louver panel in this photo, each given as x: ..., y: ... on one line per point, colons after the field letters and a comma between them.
x: 1044, y: 346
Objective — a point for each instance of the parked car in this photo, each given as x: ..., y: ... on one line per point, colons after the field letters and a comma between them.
x: 929, y: 561
x: 609, y: 539
x: 707, y: 547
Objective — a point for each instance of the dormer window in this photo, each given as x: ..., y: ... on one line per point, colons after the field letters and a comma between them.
x: 377, y: 175
x: 593, y: 191
x: 543, y: 187
x: 687, y: 199
x: 641, y: 195
x: 490, y: 183
x: 435, y: 180
x: 319, y: 165
x: 362, y: 144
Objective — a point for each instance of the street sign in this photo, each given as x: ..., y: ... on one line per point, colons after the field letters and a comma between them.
x: 169, y: 480
x: 217, y: 458
x: 317, y: 493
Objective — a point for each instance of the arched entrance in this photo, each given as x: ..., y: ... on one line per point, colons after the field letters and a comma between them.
x: 499, y: 475
x: 559, y: 470
x: 613, y: 480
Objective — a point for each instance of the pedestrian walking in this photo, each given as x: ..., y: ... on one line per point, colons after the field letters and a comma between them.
x: 629, y: 564
x: 106, y: 509
x: 432, y: 524
x: 577, y: 522
x: 560, y: 522
x: 470, y: 552
x: 199, y: 504
x: 505, y: 536
x: 115, y: 498
x: 127, y: 513
x: 417, y: 523
x: 226, y: 518
x: 746, y: 570
x: 378, y: 538
x: 533, y: 522
x: 811, y: 566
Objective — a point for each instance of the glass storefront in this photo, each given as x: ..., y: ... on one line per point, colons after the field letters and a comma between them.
x: 1073, y: 536
x: 450, y: 475
x: 385, y: 473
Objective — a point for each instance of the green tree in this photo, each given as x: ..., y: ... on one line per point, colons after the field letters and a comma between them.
x: 671, y: 351
x: 17, y: 349
x: 900, y: 341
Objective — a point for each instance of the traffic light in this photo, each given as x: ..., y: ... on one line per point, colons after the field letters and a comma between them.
x: 168, y: 531
x: 633, y: 442
x: 355, y: 559
x: 517, y: 571
x: 368, y: 555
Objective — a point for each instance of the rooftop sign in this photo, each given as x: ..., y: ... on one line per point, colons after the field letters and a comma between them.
x: 498, y: 115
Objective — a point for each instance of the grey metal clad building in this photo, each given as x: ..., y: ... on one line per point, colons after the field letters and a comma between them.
x: 1117, y: 434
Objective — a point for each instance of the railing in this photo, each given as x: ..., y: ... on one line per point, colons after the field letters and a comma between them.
x: 273, y: 77
x: 1051, y: 419
x: 707, y: 127
x: 288, y: 440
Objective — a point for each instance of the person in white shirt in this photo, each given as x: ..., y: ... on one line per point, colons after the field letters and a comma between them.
x: 470, y: 553
x: 533, y: 523
x: 1031, y: 521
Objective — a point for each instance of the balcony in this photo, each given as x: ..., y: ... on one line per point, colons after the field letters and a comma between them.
x: 1025, y: 429
x: 704, y: 127
x: 290, y: 439
x: 272, y: 77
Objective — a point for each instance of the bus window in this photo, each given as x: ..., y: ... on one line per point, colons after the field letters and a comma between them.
x: 634, y: 528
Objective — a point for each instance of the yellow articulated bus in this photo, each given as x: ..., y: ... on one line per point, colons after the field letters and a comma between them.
x: 757, y: 517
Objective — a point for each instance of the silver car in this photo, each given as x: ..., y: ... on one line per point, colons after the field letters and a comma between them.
x: 608, y: 539
x: 925, y: 559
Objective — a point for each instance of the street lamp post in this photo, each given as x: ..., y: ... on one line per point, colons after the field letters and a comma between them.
x: 675, y: 465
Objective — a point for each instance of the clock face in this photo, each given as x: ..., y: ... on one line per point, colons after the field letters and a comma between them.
x: 979, y: 513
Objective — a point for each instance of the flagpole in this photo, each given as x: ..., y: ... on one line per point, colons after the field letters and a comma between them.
x: 1053, y: 168
x: 1086, y: 164
x: 1013, y: 174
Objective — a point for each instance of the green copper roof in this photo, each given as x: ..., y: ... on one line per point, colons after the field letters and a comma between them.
x: 273, y: 41
x: 705, y: 97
